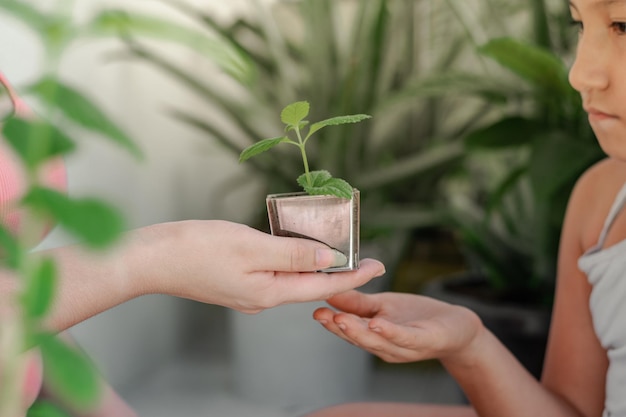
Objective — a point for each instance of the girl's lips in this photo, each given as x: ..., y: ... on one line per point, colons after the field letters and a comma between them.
x: 597, y: 115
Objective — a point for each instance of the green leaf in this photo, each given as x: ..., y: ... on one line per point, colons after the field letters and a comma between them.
x: 322, y: 183
x: 557, y: 161
x: 300, y: 126
x: 27, y: 14
x: 97, y: 224
x: 218, y: 50
x: 294, y: 113
x: 36, y: 140
x: 71, y: 376
x: 444, y: 84
x: 81, y: 110
x: 505, y: 187
x: 537, y: 65
x: 261, y: 147
x: 339, y: 120
x: 505, y: 133
x: 11, y: 253
x: 55, y: 31
x: 42, y: 408
x: 39, y: 293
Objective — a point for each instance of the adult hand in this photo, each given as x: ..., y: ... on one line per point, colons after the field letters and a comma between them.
x: 239, y: 267
x: 401, y: 327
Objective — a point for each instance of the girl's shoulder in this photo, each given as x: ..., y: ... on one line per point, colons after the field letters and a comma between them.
x: 603, y: 180
x: 594, y: 195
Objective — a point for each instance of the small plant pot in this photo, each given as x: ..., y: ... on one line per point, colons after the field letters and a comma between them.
x: 331, y: 220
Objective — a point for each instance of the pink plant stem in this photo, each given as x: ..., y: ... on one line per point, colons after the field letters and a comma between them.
x: 20, y: 108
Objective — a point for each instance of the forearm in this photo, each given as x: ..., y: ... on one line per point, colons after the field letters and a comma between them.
x: 90, y: 282
x: 497, y: 385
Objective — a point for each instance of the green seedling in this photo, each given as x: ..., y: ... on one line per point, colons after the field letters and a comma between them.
x: 313, y: 182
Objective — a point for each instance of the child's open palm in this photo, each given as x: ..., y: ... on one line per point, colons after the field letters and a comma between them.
x: 401, y: 327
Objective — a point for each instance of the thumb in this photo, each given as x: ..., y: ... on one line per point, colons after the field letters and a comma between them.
x: 289, y: 254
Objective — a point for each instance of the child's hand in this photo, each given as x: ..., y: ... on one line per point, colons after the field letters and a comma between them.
x: 401, y: 327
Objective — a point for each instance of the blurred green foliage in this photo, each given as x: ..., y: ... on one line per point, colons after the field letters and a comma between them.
x: 37, y: 140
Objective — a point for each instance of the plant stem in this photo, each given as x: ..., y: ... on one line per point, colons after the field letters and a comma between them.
x: 12, y: 363
x: 304, y: 158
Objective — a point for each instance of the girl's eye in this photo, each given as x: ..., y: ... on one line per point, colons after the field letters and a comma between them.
x: 619, y: 27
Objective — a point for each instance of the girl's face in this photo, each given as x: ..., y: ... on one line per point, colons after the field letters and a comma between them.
x: 599, y: 71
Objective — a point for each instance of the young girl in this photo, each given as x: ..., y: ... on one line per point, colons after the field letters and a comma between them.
x: 585, y: 365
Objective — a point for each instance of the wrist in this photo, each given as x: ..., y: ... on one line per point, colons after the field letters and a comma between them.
x: 472, y: 353
x: 152, y: 258
x: 140, y: 254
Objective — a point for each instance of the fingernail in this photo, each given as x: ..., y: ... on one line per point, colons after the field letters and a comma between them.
x: 323, y: 322
x: 330, y: 257
x: 341, y: 326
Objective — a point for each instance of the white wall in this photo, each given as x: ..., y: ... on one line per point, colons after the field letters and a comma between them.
x: 180, y: 177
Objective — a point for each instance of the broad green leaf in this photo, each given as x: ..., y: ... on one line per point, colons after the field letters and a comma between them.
x: 505, y: 133
x: 69, y: 373
x: 537, y: 65
x: 322, y: 183
x: 81, y: 110
x: 10, y: 251
x: 339, y: 120
x: 39, y: 293
x: 261, y: 147
x: 294, y: 113
x: 94, y: 222
x: 36, y: 140
x: 42, y: 408
x: 317, y: 178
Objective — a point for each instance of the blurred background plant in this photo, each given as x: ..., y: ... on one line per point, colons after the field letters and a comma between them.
x: 345, y: 57
x: 475, y: 128
x: 378, y: 57
x: 507, y: 206
x: 36, y: 139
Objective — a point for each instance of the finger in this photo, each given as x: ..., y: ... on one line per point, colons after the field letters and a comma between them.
x: 288, y: 254
x: 374, y: 341
x: 411, y: 337
x: 355, y: 302
x: 321, y: 286
x: 327, y: 318
x: 323, y: 314
x: 357, y: 331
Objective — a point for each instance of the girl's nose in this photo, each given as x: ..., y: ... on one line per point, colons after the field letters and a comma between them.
x: 589, y: 71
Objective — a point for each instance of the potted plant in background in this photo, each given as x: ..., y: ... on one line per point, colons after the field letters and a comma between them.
x: 328, y: 209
